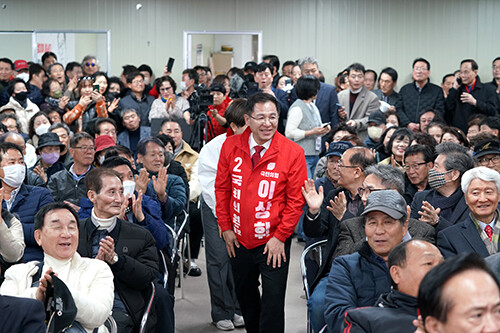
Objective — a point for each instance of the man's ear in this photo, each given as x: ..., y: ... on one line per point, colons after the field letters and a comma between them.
x: 455, y: 175
x: 92, y: 196
x: 247, y: 119
x: 432, y: 325
x: 37, y: 237
x: 395, y: 274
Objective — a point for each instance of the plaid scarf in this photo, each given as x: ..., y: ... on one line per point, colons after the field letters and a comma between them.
x: 491, y: 246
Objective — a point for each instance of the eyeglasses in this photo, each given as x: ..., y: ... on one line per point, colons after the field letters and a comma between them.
x: 90, y: 64
x: 138, y: 81
x: 85, y: 148
x: 165, y: 89
x: 87, y: 78
x: 420, y: 69
x: 415, y: 166
x: 486, y: 160
x: 261, y: 119
x: 340, y: 165
x: 495, y: 67
x: 108, y: 131
x: 367, y: 190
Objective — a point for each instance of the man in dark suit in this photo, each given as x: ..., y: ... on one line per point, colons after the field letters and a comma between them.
x: 127, y: 248
x: 264, y: 80
x: 387, y: 81
x: 479, y: 232
x: 444, y: 205
x: 352, y: 231
x: 20, y: 315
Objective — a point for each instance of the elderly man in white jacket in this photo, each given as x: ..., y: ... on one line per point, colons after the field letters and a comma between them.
x: 89, y: 280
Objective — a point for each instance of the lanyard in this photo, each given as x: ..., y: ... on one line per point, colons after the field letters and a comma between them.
x: 473, y: 86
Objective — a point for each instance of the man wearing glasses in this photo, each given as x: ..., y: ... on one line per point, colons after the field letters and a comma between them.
x: 90, y: 65
x: 469, y: 96
x: 136, y: 98
x: 487, y: 153
x: 68, y: 185
x: 264, y: 80
x: 257, y: 189
x: 418, y: 160
x: 324, y: 220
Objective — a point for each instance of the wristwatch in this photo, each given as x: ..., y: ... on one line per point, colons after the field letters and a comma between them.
x: 115, y: 259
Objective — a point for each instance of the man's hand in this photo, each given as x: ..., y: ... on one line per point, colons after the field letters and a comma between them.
x: 106, y: 250
x: 342, y: 113
x: 352, y: 123
x: 75, y: 207
x: 123, y: 207
x: 72, y: 84
x: 320, y: 130
x: 468, y: 98
x: 160, y: 184
x: 275, y: 250
x: 419, y: 324
x: 42, y: 286
x: 429, y: 214
x: 231, y: 241
x: 39, y: 171
x: 313, y: 199
x: 142, y: 181
x: 137, y: 207
x: 414, y: 127
x: 269, y: 91
x: 338, y: 206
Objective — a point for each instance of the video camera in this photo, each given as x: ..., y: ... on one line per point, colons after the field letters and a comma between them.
x: 200, y: 100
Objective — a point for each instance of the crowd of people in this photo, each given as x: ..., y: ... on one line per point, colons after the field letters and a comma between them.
x: 96, y: 171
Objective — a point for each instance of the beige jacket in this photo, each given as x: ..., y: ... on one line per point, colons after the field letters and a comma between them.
x: 189, y: 160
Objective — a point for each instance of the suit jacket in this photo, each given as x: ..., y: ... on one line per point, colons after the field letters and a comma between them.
x: 366, y: 103
x: 20, y: 315
x: 461, y: 238
x: 393, y: 99
x: 494, y: 262
x: 352, y: 234
x: 124, y: 139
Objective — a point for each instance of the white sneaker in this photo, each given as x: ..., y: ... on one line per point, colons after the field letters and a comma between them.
x: 238, y: 320
x: 225, y: 325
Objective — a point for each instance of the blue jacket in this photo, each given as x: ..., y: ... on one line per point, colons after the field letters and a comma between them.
x: 124, y: 139
x: 355, y: 280
x: 142, y: 107
x: 27, y: 203
x: 176, y: 197
x: 461, y: 238
x: 152, y: 218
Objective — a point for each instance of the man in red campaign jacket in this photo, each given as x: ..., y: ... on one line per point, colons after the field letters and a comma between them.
x: 259, y: 202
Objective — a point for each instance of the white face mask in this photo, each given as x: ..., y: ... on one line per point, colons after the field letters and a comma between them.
x: 128, y: 188
x: 42, y: 129
x: 375, y: 132
x: 14, y: 175
x: 101, y: 159
x: 183, y: 86
x: 24, y: 76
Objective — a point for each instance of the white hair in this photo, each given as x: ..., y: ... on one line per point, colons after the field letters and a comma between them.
x: 483, y: 173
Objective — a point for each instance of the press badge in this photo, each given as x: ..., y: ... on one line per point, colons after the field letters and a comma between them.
x: 318, y: 143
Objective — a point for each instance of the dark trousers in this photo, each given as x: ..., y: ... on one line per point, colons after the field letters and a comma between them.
x: 196, y: 229
x: 266, y: 314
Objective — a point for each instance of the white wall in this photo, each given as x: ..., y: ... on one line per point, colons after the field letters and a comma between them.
x: 376, y: 33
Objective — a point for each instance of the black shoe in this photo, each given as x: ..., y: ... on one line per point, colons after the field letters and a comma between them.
x: 194, y: 270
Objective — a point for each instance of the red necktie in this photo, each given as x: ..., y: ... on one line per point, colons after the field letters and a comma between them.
x: 256, y: 156
x: 489, y: 231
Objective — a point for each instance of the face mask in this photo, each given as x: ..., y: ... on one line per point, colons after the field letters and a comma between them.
x: 183, y: 86
x: 50, y: 158
x: 375, y: 132
x: 57, y: 94
x: 21, y: 96
x: 389, y: 125
x: 436, y: 179
x: 168, y: 158
x: 128, y: 188
x: 42, y: 129
x: 14, y: 175
x: 101, y: 159
x: 112, y: 95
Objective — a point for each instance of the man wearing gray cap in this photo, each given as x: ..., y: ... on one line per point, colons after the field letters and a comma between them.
x: 358, y: 279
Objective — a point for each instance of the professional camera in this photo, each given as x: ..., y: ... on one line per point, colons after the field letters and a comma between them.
x: 200, y: 100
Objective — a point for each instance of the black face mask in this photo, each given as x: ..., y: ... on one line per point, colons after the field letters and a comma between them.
x: 21, y: 97
x: 113, y: 95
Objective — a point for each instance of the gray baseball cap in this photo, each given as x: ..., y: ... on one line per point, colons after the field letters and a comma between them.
x: 389, y: 202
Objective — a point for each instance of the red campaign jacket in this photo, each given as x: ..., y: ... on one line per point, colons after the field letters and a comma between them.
x: 266, y: 201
